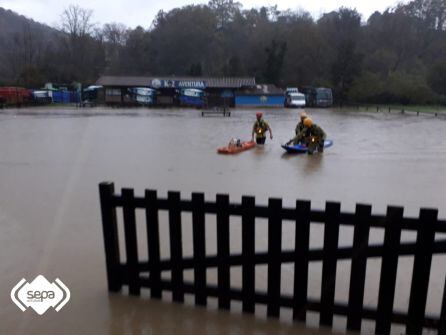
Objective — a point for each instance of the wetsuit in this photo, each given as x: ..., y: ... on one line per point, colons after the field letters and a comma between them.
x: 260, y: 128
x: 307, y: 135
x: 317, y: 134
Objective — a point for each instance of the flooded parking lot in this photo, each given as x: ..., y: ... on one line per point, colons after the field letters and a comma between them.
x: 51, y: 162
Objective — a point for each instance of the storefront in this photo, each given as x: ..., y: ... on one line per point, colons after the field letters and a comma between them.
x: 217, y: 91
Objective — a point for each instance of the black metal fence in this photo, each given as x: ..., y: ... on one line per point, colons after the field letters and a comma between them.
x: 138, y: 273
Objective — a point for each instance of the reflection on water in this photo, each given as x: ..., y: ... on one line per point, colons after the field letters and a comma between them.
x: 313, y: 163
x: 140, y: 316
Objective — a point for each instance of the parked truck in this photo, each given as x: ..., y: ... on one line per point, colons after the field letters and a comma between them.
x: 318, y: 96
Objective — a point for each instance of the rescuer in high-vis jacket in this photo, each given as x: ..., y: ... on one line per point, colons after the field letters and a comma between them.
x: 312, y: 136
x: 260, y: 128
x: 300, y: 126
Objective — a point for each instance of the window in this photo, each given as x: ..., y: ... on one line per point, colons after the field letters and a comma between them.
x: 113, y: 91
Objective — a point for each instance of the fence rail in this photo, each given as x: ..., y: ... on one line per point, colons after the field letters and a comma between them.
x: 137, y: 274
x: 437, y: 111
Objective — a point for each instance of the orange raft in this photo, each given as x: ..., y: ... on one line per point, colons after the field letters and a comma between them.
x: 229, y: 150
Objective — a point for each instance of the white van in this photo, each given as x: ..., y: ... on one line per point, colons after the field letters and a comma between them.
x: 295, y: 100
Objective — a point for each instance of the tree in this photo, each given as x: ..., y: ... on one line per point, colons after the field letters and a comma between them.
x: 184, y: 35
x: 225, y: 10
x: 274, y: 61
x: 195, y: 70
x: 437, y: 78
x: 24, y: 56
x: 341, y: 31
x: 114, y: 37
x: 83, y: 55
x: 234, y: 66
x: 346, y: 67
x: 76, y: 21
x: 115, y: 33
x: 431, y: 12
x: 136, y: 56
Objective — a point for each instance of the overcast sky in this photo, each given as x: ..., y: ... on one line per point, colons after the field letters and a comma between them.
x: 141, y: 12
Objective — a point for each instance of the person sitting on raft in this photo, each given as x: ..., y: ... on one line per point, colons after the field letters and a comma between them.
x: 260, y: 128
x: 300, y: 126
x: 312, y: 136
x: 235, y: 142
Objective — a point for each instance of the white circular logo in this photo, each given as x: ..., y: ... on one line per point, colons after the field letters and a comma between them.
x: 156, y: 83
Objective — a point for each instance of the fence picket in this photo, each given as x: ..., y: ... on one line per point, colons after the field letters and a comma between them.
x: 442, y: 321
x: 389, y: 266
x: 110, y: 232
x: 198, y: 230
x: 176, y: 245
x: 358, y: 266
x: 274, y: 251
x: 131, y: 243
x: 302, y: 246
x: 248, y: 250
x: 223, y: 250
x: 421, y: 271
x: 152, y: 224
x: 329, y: 263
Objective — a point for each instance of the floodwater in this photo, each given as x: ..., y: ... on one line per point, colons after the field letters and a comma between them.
x: 51, y: 162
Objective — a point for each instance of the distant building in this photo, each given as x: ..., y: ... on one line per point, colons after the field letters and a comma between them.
x: 219, y: 90
x: 260, y: 96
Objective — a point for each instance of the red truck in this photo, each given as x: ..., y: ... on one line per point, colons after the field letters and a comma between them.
x: 14, y: 96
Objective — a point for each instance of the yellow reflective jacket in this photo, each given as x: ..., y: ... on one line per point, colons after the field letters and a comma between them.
x: 260, y: 128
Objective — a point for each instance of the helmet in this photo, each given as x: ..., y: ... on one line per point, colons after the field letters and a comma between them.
x: 308, y: 122
x: 259, y: 114
x: 303, y: 115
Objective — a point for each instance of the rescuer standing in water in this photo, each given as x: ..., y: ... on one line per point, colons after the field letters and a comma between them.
x: 260, y: 128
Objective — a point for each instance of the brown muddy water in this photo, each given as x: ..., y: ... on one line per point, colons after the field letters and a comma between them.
x: 51, y: 162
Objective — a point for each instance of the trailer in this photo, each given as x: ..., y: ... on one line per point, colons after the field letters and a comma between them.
x: 14, y: 96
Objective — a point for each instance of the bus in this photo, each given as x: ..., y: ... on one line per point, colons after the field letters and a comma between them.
x: 143, y: 95
x: 318, y: 97
x: 192, y: 97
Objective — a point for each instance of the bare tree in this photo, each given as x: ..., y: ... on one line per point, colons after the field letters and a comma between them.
x: 115, y: 33
x: 81, y: 45
x: 77, y: 21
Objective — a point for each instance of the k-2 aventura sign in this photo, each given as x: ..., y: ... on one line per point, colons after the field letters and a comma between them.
x: 167, y: 83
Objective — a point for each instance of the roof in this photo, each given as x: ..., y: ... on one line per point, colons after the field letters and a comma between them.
x: 212, y: 82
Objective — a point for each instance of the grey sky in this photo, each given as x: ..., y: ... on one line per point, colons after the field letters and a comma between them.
x: 142, y: 12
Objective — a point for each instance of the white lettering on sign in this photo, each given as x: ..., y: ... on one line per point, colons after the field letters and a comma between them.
x: 195, y: 84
